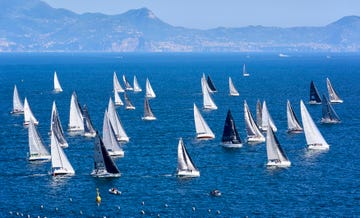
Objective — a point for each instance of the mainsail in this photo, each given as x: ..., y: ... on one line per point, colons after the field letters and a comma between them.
x: 203, y: 131
x: 253, y: 132
x: 186, y: 166
x: 149, y: 90
x: 60, y: 164
x: 128, y: 104
x: 116, y: 124
x: 137, y: 87
x: 233, y: 91
x: 211, y: 85
x: 18, y: 107
x: 109, y: 138
x: 76, y: 122
x: 117, y: 99
x: 314, y: 94
x: 56, y: 128
x: 276, y: 155
x: 116, y: 84
x: 89, y: 130
x: 334, y: 97
x: 36, y: 145
x: 57, y: 86
x: 314, y: 139
x: 127, y: 84
x: 292, y: 122
x: 207, y: 100
x: 266, y: 119
x: 230, y: 137
x: 28, y: 114
x: 328, y: 113
x: 148, y: 114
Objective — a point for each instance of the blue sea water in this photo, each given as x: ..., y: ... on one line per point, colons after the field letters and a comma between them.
x: 324, y: 184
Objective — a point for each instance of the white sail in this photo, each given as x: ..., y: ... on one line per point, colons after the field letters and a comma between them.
x: 148, y: 114
x: 36, y: 146
x: 233, y: 91
x: 314, y: 138
x: 28, y: 114
x: 127, y: 84
x: 109, y: 138
x: 186, y: 167
x: 203, y: 131
x: 116, y: 84
x: 333, y: 96
x: 292, y: 121
x: 117, y: 99
x: 57, y: 86
x: 266, y: 119
x: 137, y: 87
x: 76, y: 122
x: 276, y: 155
x: 60, y: 165
x: 245, y: 73
x: 116, y: 124
x: 18, y: 107
x: 149, y: 90
x: 56, y: 128
x: 253, y: 132
x: 207, y: 100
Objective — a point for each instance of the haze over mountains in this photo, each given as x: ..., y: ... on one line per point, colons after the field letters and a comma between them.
x: 34, y: 26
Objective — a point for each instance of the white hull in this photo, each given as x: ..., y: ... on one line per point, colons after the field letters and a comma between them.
x: 90, y: 135
x: 336, y: 101
x: 104, y: 174
x: 255, y: 140
x: 278, y: 164
x: 318, y: 147
x: 149, y: 118
x: 75, y: 129
x: 119, y: 153
x: 122, y: 139
x: 314, y: 102
x: 186, y: 173
x: 329, y: 121
x: 231, y: 145
x: 205, y: 136
x: 26, y: 123
x: 62, y: 171
x: 17, y: 112
x: 130, y: 108
x: 294, y: 131
x: 40, y: 157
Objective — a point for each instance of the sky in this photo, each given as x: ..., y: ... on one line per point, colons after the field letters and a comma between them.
x: 206, y: 14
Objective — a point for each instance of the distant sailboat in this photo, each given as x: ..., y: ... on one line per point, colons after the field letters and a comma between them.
x: 36, y: 145
x: 18, y: 107
x: 28, y: 114
x: 148, y: 114
x: 314, y: 139
x: 137, y: 87
x: 104, y: 166
x: 56, y: 128
x: 230, y: 136
x: 127, y: 84
x: 89, y: 130
x: 116, y: 124
x: 116, y: 84
x: 76, y: 122
x: 186, y: 167
x: 334, y: 97
x: 117, y: 99
x: 128, y: 104
x: 233, y: 91
x: 245, y: 73
x: 149, y: 90
x: 276, y: 155
x: 203, y: 131
x: 109, y: 138
x: 314, y: 94
x: 328, y: 113
x: 211, y: 85
x: 57, y: 86
x: 60, y: 165
x: 266, y: 119
x: 254, y: 134
x: 207, y: 100
x: 258, y: 114
x: 292, y: 122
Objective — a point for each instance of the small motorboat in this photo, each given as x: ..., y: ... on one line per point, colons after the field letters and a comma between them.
x: 215, y: 193
x: 114, y: 191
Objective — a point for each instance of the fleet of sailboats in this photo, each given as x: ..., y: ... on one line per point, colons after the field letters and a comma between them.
x: 275, y: 154
x: 18, y: 107
x: 149, y: 92
x: 57, y: 86
x: 230, y: 137
x: 28, y: 114
x: 328, y: 113
x: 254, y: 134
x: 208, y: 102
x: 60, y: 165
x: 186, y: 167
x: 233, y: 91
x: 334, y: 97
x: 203, y: 131
x: 314, y: 94
x: 37, y: 149
x: 292, y: 122
x: 148, y: 114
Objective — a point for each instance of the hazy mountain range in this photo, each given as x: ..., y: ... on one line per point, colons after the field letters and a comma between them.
x: 32, y: 25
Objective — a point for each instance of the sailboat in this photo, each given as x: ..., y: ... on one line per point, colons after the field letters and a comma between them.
x: 117, y: 99
x: 116, y: 124
x: 127, y: 84
x: 334, y: 97
x: 275, y: 154
x: 245, y: 73
x: 149, y: 90
x: 258, y: 113
x: 314, y: 139
x: 314, y: 94
x: 36, y: 145
x: 18, y: 107
x: 109, y: 138
x: 60, y: 165
x: 104, y: 166
x: 203, y: 131
x: 233, y: 91
x: 254, y: 134
x: 28, y: 114
x: 89, y: 130
x: 128, y: 104
x: 186, y: 167
x: 148, y: 114
x: 266, y: 119
x: 211, y: 85
x: 56, y: 128
x: 57, y: 86
x: 208, y: 102
x: 76, y: 122
x: 230, y: 136
x: 328, y: 113
x: 116, y: 84
x: 137, y: 87
x: 292, y: 122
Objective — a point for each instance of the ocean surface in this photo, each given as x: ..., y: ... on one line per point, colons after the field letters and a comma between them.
x: 318, y: 184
